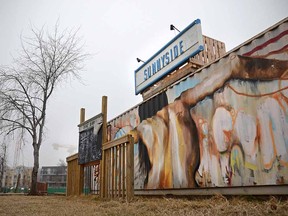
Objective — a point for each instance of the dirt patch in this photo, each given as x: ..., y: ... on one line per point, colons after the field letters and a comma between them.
x: 90, y: 205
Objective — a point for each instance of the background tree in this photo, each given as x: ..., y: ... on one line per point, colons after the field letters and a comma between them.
x: 46, y: 59
x: 3, y: 161
x: 62, y: 163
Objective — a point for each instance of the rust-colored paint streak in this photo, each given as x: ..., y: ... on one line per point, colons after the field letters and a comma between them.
x: 272, y: 40
x: 281, y: 50
x: 269, y: 164
x: 201, y: 136
x: 228, y: 135
x: 259, y: 69
x: 236, y: 67
x: 278, y: 98
x: 256, y: 95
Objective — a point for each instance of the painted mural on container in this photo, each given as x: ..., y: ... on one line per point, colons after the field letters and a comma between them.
x: 224, y: 126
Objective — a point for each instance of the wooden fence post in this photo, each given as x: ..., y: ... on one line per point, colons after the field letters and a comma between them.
x: 82, y: 115
x: 81, y: 166
x: 130, y: 169
x: 104, y: 140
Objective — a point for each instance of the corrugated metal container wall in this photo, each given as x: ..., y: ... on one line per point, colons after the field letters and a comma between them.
x: 226, y: 125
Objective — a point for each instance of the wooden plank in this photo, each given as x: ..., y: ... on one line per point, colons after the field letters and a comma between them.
x: 104, y: 123
x: 102, y: 175
x: 130, y: 170
x: 124, y: 170
x: 112, y: 170
x: 92, y: 163
x: 132, y: 166
x: 213, y: 46
x: 109, y: 173
x: 105, y: 178
x: 207, y: 51
x: 104, y: 140
x: 116, y: 171
x: 68, y: 186
x: 223, y: 49
x: 71, y: 178
x: 120, y: 170
x: 217, y: 50
x: 81, y: 179
x: 204, y: 52
x: 210, y: 50
x: 80, y: 171
x: 82, y: 115
x: 72, y: 157
x: 115, y: 142
x: 76, y: 183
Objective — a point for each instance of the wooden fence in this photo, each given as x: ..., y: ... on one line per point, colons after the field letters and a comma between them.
x: 213, y: 49
x: 42, y: 188
x: 75, y: 176
x: 118, y: 168
x: 116, y: 174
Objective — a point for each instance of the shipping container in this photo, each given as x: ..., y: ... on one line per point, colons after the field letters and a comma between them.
x: 224, y: 125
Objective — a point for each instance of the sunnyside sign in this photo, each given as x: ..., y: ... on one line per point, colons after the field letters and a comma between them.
x: 185, y: 45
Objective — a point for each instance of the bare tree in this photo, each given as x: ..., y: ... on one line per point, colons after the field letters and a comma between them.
x: 26, y: 87
x: 62, y: 163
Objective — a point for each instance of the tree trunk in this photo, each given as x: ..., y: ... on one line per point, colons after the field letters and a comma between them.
x: 17, y: 183
x: 3, y: 167
x: 1, y: 171
x: 33, y: 189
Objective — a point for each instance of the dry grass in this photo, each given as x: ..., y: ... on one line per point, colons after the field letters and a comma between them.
x: 88, y: 205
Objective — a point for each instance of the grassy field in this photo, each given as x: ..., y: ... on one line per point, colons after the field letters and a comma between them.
x: 90, y: 205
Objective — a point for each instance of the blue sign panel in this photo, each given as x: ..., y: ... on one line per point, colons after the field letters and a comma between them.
x: 185, y: 45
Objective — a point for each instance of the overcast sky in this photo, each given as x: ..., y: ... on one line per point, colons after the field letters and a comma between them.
x: 115, y: 33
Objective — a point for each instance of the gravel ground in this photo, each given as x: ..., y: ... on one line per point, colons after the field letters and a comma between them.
x: 91, y: 205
